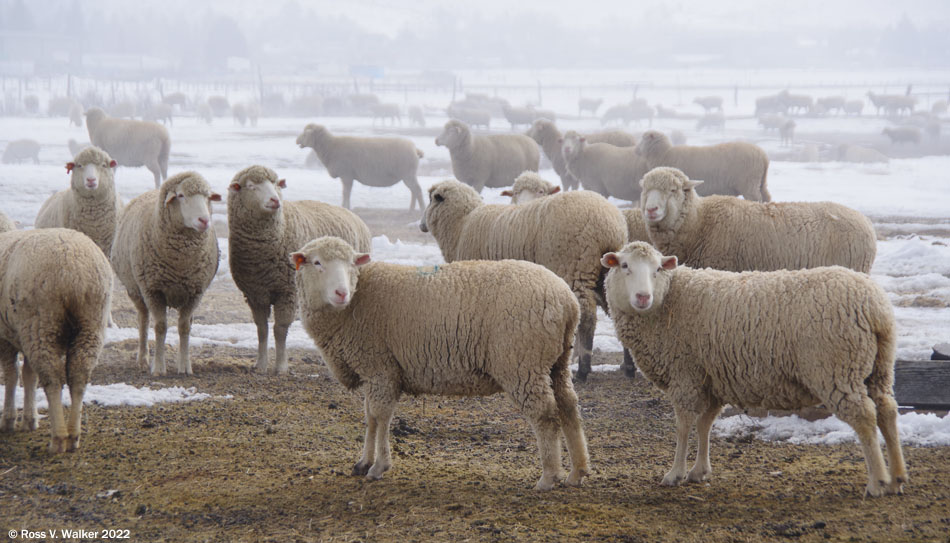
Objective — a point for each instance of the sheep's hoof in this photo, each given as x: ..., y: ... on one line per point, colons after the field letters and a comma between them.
x: 59, y: 444
x: 875, y: 489
x: 580, y: 377
x: 72, y: 443
x: 697, y: 476
x: 629, y: 370
x: 896, y: 487
x: 260, y: 368
x: 7, y: 425
x: 544, y: 484
x: 672, y: 479
x: 360, y: 469
x: 576, y: 477
x: 376, y: 472
x: 28, y: 424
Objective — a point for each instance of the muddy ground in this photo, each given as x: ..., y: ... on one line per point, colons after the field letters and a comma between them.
x: 272, y: 460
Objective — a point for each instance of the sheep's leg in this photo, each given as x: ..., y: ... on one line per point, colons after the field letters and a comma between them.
x: 8, y: 364
x: 628, y: 366
x: 156, y: 172
x: 261, y: 313
x: 416, y: 190
x: 59, y: 442
x: 857, y: 409
x: 184, y: 336
x: 31, y: 418
x: 702, y: 468
x: 381, y: 398
x: 570, y: 418
x: 284, y: 313
x: 585, y: 335
x: 478, y: 186
x: 535, y: 399
x: 158, y: 312
x: 347, y: 189
x: 684, y: 422
x: 887, y: 422
x: 142, y: 311
x: 80, y: 359
x: 369, y: 442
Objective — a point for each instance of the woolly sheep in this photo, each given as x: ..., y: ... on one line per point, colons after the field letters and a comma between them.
x: 709, y: 102
x: 219, y: 105
x: 760, y: 339
x: 239, y: 114
x: 939, y: 107
x: 713, y: 121
x: 64, y: 106
x: 771, y: 121
x: 627, y: 113
x: 832, y: 103
x: 356, y: 313
x: 769, y: 104
x: 487, y: 161
x: 733, y: 168
x: 563, y: 233
x: 203, y: 112
x: 20, y: 150
x: 131, y: 143
x: 166, y: 254
x: 902, y: 134
x: 545, y: 133
x: 787, y: 132
x: 6, y: 224
x: 854, y: 107
x: 856, y: 153
x: 892, y: 104
x: 253, y: 112
x: 604, y: 168
x: 31, y: 103
x: 588, y: 104
x: 800, y: 103
x: 386, y: 111
x: 416, y: 116
x: 175, y: 99
x: 530, y: 186
x: 665, y: 112
x: 518, y: 115
x: 470, y: 116
x: 91, y: 204
x: 159, y: 112
x: 38, y: 302
x: 262, y: 230
x: 374, y: 162
x: 730, y: 234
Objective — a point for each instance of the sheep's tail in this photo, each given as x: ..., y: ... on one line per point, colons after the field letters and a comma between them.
x: 163, y: 156
x: 419, y: 153
x: 881, y: 381
x: 763, y: 185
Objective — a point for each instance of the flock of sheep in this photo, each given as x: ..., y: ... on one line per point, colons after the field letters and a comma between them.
x: 716, y: 299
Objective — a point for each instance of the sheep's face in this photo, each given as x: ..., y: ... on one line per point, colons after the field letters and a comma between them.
x: 88, y: 176
x: 194, y: 207
x: 571, y: 145
x: 263, y: 194
x: 449, y: 201
x: 652, y: 141
x: 523, y: 195
x: 452, y: 134
x: 538, y: 130
x: 310, y: 135
x: 665, y: 192
x: 327, y: 272
x: 637, y: 281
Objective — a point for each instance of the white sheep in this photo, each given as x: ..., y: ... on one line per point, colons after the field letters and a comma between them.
x: 588, y: 104
x: 131, y: 143
x: 800, y: 103
x: 563, y: 233
x: 709, y: 103
x: 771, y: 103
x: 778, y: 340
x: 892, y: 104
x: 712, y: 121
x: 90, y: 204
x: 55, y: 294
x: 733, y: 168
x: 65, y: 106
x: 20, y: 150
x: 375, y: 162
x: 787, y: 132
x: 604, y: 168
x: 159, y: 112
x: 627, y: 113
x: 664, y: 112
x: 253, y: 112
x: 832, y: 103
x: 903, y: 134
x: 386, y: 111
x: 487, y: 161
x: 727, y: 233
x: 854, y: 107
x: 166, y: 254
x: 262, y: 230
x: 219, y: 105
x: 530, y: 186
x: 546, y: 134
x: 176, y: 99
x: 939, y: 107
x: 416, y: 116
x: 507, y: 327
x: 473, y: 117
x: 239, y: 113
x: 518, y: 115
x: 772, y: 121
x: 203, y: 112
x: 856, y: 153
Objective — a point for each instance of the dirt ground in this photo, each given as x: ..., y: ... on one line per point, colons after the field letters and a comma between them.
x: 270, y: 460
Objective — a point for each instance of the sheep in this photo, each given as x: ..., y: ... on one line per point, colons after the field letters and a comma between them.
x: 90, y: 205
x: 939, y: 107
x: 175, y: 99
x: 518, y: 115
x: 530, y: 186
x: 733, y: 168
x: 166, y: 254
x: 546, y: 134
x: 604, y: 168
x: 203, y: 112
x: 375, y: 162
x: 131, y: 143
x: 627, y: 113
x: 902, y: 134
x: 664, y: 112
x: 772, y: 103
x: 122, y: 110
x: 20, y: 150
x: 892, y: 104
x: 76, y: 114
x: 64, y: 106
x: 159, y: 112
x: 779, y: 340
x: 219, y: 105
x: 416, y: 116
x: 588, y: 104
x: 356, y: 313
x: 543, y: 114
x: 470, y: 116
x: 563, y: 233
x: 800, y: 103
x: 386, y: 111
x: 262, y: 230
x: 239, y: 113
x: 709, y: 102
x: 253, y: 113
x: 787, y: 132
x: 771, y: 121
x: 854, y: 107
x: 730, y: 234
x: 31, y: 103
x: 56, y: 316
x: 832, y: 103
x: 487, y: 161
x: 6, y: 223
x: 677, y: 137
x: 856, y: 153
x: 75, y: 147
x: 714, y: 121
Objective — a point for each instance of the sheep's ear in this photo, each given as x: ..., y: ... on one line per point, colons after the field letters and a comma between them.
x: 172, y: 194
x: 236, y: 187
x: 693, y: 183
x: 282, y: 183
x: 215, y: 197
x: 554, y: 190
x: 610, y: 260
x: 668, y: 262
x: 70, y: 166
x: 582, y: 138
x: 298, y: 259
x: 507, y: 193
x: 113, y: 163
x: 361, y: 259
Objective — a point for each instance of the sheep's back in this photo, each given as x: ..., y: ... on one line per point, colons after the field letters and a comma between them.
x: 725, y: 168
x: 508, y: 156
x: 372, y: 161
x: 129, y: 142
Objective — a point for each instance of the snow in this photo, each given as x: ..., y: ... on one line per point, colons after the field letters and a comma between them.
x: 121, y: 394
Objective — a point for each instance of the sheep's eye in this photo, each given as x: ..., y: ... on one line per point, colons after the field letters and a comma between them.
x: 623, y: 265
x: 438, y: 197
x: 316, y: 263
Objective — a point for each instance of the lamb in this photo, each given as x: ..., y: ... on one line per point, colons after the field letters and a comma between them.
x: 166, y: 254
x: 853, y: 107
x: 470, y: 116
x: 734, y: 168
x: 714, y: 121
x: 262, y: 230
x: 131, y: 143
x: 588, y: 104
x: 488, y: 161
x: 798, y: 354
x: 416, y: 116
x: 730, y: 234
x: 374, y: 162
x: 709, y: 102
x: 530, y: 186
x: 546, y: 134
x: 20, y: 150
x: 902, y: 134
x: 518, y: 115
x: 6, y: 224
x: 604, y: 168
x: 856, y: 153
x: 386, y: 111
x: 90, y: 205
x: 356, y: 313
x: 787, y: 132
x: 575, y: 226
x: 38, y: 302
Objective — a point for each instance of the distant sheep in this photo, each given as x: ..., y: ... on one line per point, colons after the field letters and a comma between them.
x: 488, y: 161
x: 627, y: 113
x: 470, y: 116
x: 772, y: 103
x: 19, y: 150
x: 854, y: 107
x: 131, y: 143
x: 665, y: 112
x: 31, y: 103
x: 771, y: 121
x: 547, y: 135
x: 385, y: 112
x: 939, y: 107
x: 175, y: 99
x: 714, y: 121
x: 518, y: 115
x: 239, y: 114
x: 903, y: 134
x: 604, y: 168
x: 709, y: 103
x: 416, y: 116
x: 796, y: 103
x: 219, y: 105
x: 64, y: 106
x: 787, y: 132
x: 830, y: 103
x: 892, y: 104
x: 159, y: 112
x: 856, y: 153
x: 588, y: 104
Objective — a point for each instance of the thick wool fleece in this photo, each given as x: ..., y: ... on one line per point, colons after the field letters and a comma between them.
x: 488, y: 161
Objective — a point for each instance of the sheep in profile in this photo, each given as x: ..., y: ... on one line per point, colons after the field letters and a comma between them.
x: 787, y: 132
x: 159, y: 112
x: 239, y: 113
x: 854, y: 107
x: 385, y: 112
x: 19, y: 150
x: 375, y: 162
x: 664, y: 112
x: 262, y: 230
x: 166, y: 254
x: 760, y: 339
x: 518, y: 115
x: 175, y: 99
x: 939, y: 107
x: 771, y: 121
x: 416, y: 116
x: 733, y: 169
x: 488, y: 161
x: 730, y: 234
x: 563, y: 233
x: 219, y: 105
x: 473, y: 117
x: 604, y: 168
x: 203, y: 112
x: 903, y: 134
x: 66, y: 107
x: 772, y: 103
x: 530, y: 186
x: 830, y: 103
x: 56, y: 319
x: 131, y: 143
x: 545, y: 133
x: 713, y: 121
x: 588, y: 104
x: 796, y: 103
x: 709, y: 103
x: 511, y: 335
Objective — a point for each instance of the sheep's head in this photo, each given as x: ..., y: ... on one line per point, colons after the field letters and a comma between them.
x: 449, y: 202
x: 639, y: 277
x: 665, y: 192
x: 572, y: 144
x: 651, y: 142
x: 90, y: 168
x: 540, y: 129
x: 258, y: 189
x: 529, y: 186
x: 192, y: 196
x: 454, y: 134
x: 327, y: 272
x: 94, y: 115
x: 312, y: 133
